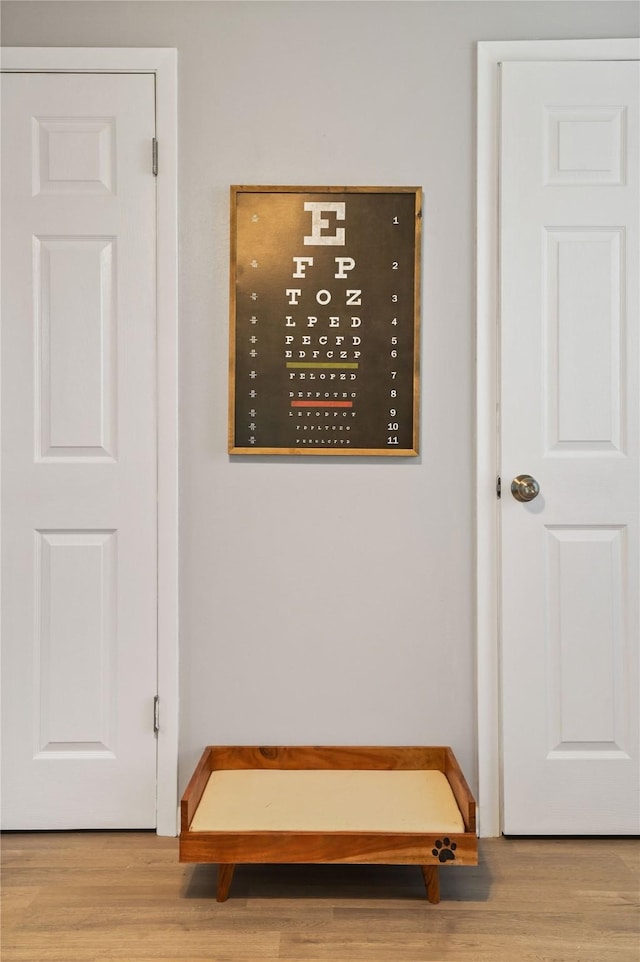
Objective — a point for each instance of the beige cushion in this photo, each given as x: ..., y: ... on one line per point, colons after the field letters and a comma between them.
x: 328, y: 801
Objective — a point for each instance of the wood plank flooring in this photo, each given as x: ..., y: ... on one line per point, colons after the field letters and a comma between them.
x: 99, y: 897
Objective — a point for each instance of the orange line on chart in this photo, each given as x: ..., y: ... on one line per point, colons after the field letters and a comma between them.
x: 350, y: 365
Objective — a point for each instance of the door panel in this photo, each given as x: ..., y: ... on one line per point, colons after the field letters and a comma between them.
x: 583, y: 279
x: 74, y: 281
x: 587, y: 702
x: 79, y: 451
x: 76, y: 654
x: 569, y: 417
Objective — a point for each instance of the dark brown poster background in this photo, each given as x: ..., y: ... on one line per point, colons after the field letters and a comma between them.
x: 324, y: 352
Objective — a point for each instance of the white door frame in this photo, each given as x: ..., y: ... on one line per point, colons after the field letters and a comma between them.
x: 162, y: 62
x: 490, y: 55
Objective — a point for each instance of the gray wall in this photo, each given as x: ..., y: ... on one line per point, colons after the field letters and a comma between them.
x: 325, y: 600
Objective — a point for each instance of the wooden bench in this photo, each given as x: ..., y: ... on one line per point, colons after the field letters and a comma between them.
x: 395, y: 806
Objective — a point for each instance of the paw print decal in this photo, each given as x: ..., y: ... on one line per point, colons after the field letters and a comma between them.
x: 444, y: 850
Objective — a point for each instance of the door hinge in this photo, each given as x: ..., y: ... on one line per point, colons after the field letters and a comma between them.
x: 499, y: 487
x: 156, y: 714
x: 154, y: 157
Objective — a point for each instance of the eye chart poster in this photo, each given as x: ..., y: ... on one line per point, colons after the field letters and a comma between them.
x: 324, y: 353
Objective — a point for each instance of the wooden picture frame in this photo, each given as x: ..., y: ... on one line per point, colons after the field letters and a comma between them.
x: 325, y: 320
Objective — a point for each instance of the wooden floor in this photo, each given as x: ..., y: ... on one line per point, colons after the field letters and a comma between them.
x: 93, y: 897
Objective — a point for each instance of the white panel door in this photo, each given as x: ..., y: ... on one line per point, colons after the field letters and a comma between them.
x: 570, y: 409
x: 79, y: 571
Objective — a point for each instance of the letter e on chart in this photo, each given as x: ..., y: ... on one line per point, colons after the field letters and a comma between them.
x: 320, y: 223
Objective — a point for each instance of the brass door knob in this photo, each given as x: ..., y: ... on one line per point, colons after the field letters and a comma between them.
x: 525, y: 488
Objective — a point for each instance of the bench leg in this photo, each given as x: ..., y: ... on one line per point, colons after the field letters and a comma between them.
x: 225, y: 874
x: 432, y: 882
